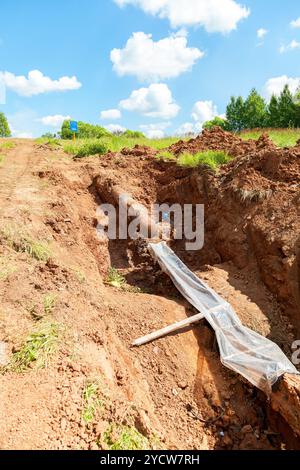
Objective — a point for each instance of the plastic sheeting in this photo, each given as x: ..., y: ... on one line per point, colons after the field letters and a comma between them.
x: 251, y: 355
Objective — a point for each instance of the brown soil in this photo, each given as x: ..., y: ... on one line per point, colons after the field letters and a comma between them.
x: 175, y: 388
x: 217, y: 139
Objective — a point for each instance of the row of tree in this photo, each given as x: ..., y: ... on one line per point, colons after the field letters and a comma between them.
x: 86, y: 130
x: 4, y: 127
x: 254, y: 112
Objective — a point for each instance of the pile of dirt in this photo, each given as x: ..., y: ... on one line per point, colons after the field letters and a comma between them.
x: 218, y: 139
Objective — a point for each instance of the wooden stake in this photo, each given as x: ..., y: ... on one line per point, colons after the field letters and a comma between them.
x: 169, y: 329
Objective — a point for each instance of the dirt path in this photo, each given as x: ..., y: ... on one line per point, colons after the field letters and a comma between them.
x: 171, y: 394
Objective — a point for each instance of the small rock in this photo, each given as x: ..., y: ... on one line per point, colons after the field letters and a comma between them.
x: 182, y: 384
x: 247, y: 429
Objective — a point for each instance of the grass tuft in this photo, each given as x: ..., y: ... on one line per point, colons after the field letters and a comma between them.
x: 7, y: 145
x: 22, y: 243
x: 49, y: 303
x: 166, y: 156
x: 120, y: 437
x: 212, y: 159
x: 115, y: 279
x: 91, y: 402
x: 37, y: 349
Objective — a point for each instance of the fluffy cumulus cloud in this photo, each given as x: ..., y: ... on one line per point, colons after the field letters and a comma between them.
x: 189, y: 128
x: 274, y: 86
x: 37, y: 83
x: 111, y: 114
x: 214, y: 15
x: 295, y: 23
x: 155, y: 131
x: 289, y: 47
x: 54, y: 121
x: 115, y: 128
x: 156, y: 101
x: 152, y: 61
x: 204, y: 111
x: 261, y: 33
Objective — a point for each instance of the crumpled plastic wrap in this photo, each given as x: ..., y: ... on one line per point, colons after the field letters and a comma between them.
x: 249, y: 354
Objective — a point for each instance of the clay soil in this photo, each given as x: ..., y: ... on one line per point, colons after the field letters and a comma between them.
x: 175, y: 391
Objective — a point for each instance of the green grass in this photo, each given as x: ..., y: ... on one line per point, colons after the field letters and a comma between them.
x: 212, y: 159
x: 119, y: 437
x: 49, y: 303
x: 84, y: 147
x: 52, y: 143
x: 7, y: 145
x: 280, y: 137
x: 166, y: 156
x: 115, y: 279
x: 37, y: 349
x: 2, y: 158
x: 91, y: 402
x: 23, y: 243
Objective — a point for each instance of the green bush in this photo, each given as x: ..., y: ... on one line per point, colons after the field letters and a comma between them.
x: 86, y: 148
x: 85, y: 131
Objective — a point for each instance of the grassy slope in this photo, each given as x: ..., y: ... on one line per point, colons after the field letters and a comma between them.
x: 281, y: 137
x: 115, y: 144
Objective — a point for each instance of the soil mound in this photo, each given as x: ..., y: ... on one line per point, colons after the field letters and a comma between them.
x: 218, y: 139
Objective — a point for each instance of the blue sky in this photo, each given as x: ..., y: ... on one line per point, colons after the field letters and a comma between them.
x: 186, y: 71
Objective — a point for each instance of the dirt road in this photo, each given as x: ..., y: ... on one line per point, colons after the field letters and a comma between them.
x: 94, y: 391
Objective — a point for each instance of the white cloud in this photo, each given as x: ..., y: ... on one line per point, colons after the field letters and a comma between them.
x: 155, y: 131
x: 214, y: 15
x: 54, y: 121
x: 274, y: 86
x: 37, y: 83
x: 115, y: 128
x: 204, y: 111
x: 261, y: 33
x: 156, y: 101
x: 111, y: 114
x: 296, y: 23
x: 152, y: 61
x: 289, y: 47
x: 189, y: 128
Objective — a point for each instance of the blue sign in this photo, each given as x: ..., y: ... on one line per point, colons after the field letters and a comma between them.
x: 74, y: 126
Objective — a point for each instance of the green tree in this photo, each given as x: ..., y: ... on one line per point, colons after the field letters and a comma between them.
x: 235, y: 114
x: 286, y: 108
x: 4, y: 127
x: 133, y: 134
x: 255, y: 113
x: 297, y: 107
x: 216, y: 122
x: 273, y: 116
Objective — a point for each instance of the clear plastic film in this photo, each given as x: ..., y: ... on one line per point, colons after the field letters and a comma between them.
x: 251, y: 355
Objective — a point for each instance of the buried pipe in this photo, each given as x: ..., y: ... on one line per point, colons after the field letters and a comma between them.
x: 253, y: 356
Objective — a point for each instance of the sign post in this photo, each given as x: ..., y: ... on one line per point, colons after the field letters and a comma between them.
x: 74, y: 128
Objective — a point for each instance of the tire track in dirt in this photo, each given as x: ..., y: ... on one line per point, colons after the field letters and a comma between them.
x: 16, y: 165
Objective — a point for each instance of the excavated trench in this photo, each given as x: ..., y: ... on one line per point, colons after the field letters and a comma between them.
x: 226, y: 240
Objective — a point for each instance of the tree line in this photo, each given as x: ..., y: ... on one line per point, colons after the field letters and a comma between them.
x: 282, y: 111
x: 4, y: 127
